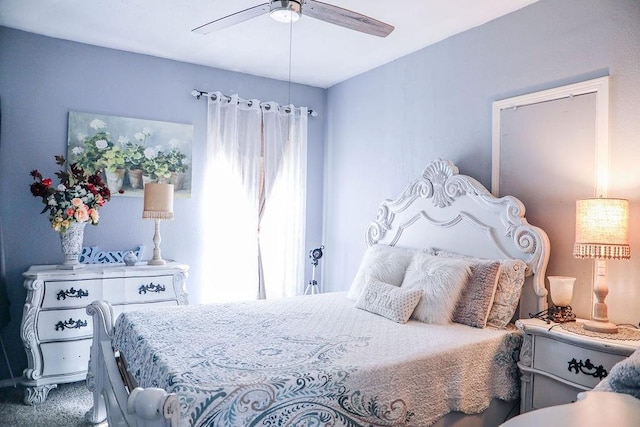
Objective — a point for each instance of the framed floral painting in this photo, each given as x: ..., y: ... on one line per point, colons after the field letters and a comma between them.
x: 130, y: 152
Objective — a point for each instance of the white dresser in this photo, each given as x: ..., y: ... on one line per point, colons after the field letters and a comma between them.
x: 556, y: 364
x: 56, y: 330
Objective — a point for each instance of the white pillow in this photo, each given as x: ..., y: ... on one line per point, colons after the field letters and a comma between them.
x: 381, y: 262
x: 388, y: 301
x: 441, y: 281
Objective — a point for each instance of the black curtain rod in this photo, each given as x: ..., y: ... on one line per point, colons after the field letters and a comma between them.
x: 199, y: 93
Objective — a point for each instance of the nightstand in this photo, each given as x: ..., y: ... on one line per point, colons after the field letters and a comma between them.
x: 556, y: 364
x: 56, y: 330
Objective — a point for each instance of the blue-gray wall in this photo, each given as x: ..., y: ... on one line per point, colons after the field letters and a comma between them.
x: 386, y: 125
x: 42, y: 79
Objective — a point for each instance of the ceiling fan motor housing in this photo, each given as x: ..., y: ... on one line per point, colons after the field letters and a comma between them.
x: 285, y: 10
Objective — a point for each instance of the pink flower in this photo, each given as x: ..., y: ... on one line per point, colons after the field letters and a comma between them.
x: 82, y: 214
x: 95, y: 216
x: 77, y: 202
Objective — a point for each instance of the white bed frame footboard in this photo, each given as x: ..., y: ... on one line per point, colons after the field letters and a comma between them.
x: 111, y: 398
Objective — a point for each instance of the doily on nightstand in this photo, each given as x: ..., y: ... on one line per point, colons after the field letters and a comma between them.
x: 623, y: 333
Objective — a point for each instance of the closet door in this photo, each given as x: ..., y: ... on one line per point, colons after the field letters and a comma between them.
x: 549, y: 152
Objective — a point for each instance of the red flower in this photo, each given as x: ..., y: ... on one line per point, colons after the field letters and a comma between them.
x: 38, y: 189
x: 46, y: 182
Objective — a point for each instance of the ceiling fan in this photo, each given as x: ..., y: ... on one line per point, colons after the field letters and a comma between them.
x: 291, y: 10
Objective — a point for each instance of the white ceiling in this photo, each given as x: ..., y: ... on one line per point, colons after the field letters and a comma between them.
x: 322, y: 54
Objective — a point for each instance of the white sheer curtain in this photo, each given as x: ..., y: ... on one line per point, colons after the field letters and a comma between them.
x: 254, y: 217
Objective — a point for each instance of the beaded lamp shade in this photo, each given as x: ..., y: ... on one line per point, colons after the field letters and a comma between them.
x: 158, y: 205
x: 602, y: 229
x: 158, y: 201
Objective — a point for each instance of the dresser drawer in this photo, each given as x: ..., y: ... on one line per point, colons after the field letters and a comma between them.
x: 54, y: 325
x: 148, y: 289
x: 65, y: 357
x: 71, y: 293
x: 582, y: 366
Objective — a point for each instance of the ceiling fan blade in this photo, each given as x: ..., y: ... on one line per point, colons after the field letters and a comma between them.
x: 345, y: 18
x: 234, y: 18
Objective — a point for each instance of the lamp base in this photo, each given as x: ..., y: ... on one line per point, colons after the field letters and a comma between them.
x: 602, y: 327
x: 157, y: 262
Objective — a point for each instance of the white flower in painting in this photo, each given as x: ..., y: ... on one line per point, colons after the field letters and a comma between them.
x: 77, y: 151
x: 174, y: 143
x: 97, y: 124
x: 159, y: 148
x: 185, y: 162
x: 139, y: 136
x: 146, y: 131
x: 123, y: 140
x: 81, y: 137
x: 149, y: 153
x: 101, y: 144
x: 61, y: 187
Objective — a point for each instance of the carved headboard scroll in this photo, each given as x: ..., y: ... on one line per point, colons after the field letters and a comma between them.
x: 454, y: 212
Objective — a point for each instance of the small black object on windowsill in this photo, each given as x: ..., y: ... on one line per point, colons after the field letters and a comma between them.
x: 555, y: 315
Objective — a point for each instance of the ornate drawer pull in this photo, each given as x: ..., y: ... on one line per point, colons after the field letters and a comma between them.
x: 587, y: 368
x: 151, y: 288
x: 70, y: 324
x: 72, y: 293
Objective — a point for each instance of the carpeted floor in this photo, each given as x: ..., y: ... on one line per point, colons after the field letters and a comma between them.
x: 65, y: 407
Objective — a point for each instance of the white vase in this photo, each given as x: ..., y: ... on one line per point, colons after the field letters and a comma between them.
x: 71, y: 241
x: 561, y: 290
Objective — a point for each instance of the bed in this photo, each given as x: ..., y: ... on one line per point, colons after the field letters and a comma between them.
x: 422, y: 337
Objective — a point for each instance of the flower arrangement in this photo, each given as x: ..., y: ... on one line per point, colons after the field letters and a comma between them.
x: 77, y: 198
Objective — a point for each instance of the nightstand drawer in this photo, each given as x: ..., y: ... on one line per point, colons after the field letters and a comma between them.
x: 582, y: 366
x: 55, y: 325
x: 548, y: 392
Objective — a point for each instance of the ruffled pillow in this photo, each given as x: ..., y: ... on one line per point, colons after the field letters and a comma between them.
x: 388, y: 301
x: 440, y: 281
x: 508, y: 291
x: 477, y: 296
x: 381, y: 262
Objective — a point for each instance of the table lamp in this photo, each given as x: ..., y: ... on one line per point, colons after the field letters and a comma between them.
x: 602, y: 232
x: 158, y: 205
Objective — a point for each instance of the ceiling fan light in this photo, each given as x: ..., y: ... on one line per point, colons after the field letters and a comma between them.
x: 286, y: 11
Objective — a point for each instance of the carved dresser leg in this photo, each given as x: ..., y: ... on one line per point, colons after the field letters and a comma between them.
x: 37, y: 395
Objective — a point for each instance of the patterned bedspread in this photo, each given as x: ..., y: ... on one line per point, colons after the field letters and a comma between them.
x: 314, y: 361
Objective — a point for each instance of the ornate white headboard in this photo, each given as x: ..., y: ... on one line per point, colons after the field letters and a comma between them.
x: 456, y: 213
